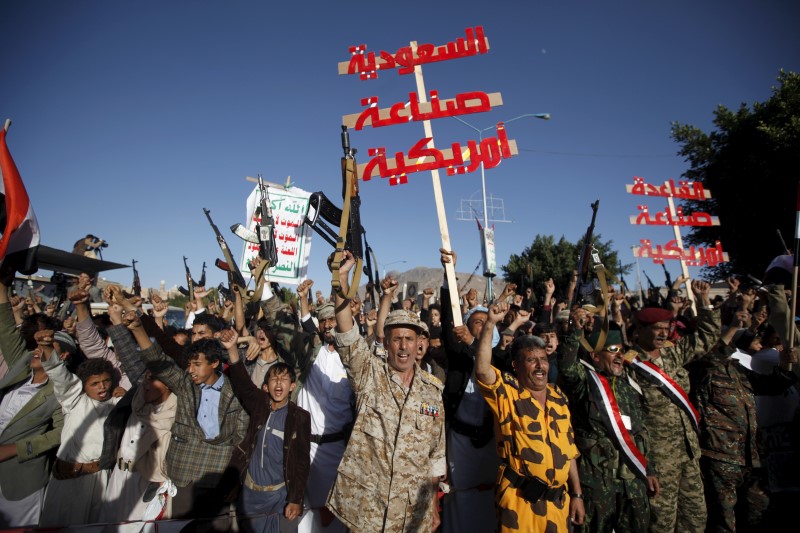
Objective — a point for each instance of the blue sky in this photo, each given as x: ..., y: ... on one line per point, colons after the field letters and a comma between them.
x: 130, y: 117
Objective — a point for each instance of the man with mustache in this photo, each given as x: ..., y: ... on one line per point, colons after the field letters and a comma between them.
x: 606, y: 405
x: 670, y: 417
x: 535, y: 439
x: 390, y: 471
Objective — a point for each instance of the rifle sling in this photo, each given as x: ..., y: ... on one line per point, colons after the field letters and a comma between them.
x: 349, y: 174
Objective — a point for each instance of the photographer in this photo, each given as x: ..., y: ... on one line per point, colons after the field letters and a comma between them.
x: 89, y: 246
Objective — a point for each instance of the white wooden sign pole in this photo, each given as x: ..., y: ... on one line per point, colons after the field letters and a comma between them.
x: 449, y: 269
x: 684, y: 268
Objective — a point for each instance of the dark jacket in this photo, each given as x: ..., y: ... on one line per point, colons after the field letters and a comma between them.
x: 297, y: 435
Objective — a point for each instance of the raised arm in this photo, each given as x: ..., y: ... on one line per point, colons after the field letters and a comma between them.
x: 388, y: 295
x: 483, y: 358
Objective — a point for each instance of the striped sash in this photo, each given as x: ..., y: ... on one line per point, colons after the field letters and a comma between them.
x: 667, y: 386
x: 600, y: 389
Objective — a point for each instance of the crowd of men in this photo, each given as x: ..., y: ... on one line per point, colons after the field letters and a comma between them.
x: 334, y: 414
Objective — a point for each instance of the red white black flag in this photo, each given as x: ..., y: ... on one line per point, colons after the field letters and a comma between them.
x: 19, y: 241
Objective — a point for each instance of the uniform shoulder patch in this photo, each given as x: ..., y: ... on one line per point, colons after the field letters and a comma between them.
x: 430, y: 378
x: 630, y: 355
x: 511, y: 379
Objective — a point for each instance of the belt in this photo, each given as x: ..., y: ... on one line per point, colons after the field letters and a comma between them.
x: 534, y: 489
x: 65, y: 470
x: 331, y: 437
x: 125, y: 465
x: 250, y: 484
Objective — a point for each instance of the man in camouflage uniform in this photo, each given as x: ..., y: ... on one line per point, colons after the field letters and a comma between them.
x: 669, y: 417
x: 616, y: 477
x: 389, y: 474
x: 724, y: 391
x: 535, y: 440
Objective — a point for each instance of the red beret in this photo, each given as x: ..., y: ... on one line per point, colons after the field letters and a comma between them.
x: 651, y: 315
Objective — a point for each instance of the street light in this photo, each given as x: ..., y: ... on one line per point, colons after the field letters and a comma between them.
x: 543, y: 116
x: 392, y: 263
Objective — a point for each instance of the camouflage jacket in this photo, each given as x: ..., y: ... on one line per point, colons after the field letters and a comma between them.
x: 669, y: 427
x: 600, y: 462
x: 397, y: 445
x: 724, y: 393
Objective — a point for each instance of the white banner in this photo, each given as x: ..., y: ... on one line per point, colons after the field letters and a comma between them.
x: 292, y: 237
x: 487, y: 247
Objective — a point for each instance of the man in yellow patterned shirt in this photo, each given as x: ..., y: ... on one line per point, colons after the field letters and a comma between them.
x: 535, y: 440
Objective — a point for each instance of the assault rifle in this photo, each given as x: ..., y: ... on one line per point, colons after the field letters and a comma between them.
x: 236, y: 275
x: 190, y: 283
x: 585, y: 286
x: 137, y: 285
x: 667, y: 277
x: 265, y: 228
x: 323, y: 216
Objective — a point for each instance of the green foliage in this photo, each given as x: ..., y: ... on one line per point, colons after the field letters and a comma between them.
x: 545, y: 259
x: 751, y: 165
x: 178, y: 301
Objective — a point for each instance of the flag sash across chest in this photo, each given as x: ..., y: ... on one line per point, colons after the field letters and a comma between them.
x: 668, y: 386
x: 611, y: 417
x: 20, y: 236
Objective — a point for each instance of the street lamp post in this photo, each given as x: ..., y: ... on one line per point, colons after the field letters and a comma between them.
x: 391, y: 263
x: 543, y: 116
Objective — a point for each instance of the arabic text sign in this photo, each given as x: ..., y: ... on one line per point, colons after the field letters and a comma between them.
x: 414, y: 110
x: 698, y: 256
x: 665, y: 218
x: 292, y: 237
x: 367, y: 65
x: 686, y: 190
x: 456, y: 160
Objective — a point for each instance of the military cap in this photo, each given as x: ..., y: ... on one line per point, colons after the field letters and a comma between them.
x: 326, y: 311
x: 614, y: 336
x: 651, y: 315
x: 401, y: 317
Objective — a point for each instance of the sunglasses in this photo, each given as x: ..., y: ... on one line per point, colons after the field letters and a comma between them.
x: 615, y: 348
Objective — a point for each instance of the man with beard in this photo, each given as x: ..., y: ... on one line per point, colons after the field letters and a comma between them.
x: 670, y: 417
x: 616, y: 475
x: 327, y: 395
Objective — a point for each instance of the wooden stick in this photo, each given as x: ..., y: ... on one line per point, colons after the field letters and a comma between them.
x: 449, y: 269
x: 684, y: 268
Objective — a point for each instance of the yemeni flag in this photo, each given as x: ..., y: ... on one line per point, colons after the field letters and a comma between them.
x: 19, y: 241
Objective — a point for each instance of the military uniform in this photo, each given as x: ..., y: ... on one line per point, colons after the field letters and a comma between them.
x: 675, y: 449
x: 615, y: 498
x: 531, y: 443
x: 724, y: 394
x: 384, y: 482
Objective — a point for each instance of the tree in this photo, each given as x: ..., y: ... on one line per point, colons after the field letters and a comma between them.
x: 751, y: 165
x: 546, y: 259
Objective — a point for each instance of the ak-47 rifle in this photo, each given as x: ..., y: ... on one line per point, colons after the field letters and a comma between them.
x: 236, y: 275
x: 654, y: 291
x: 189, y: 292
x: 584, y: 286
x: 265, y: 228
x: 202, y: 276
x: 323, y: 214
x: 351, y: 217
x: 137, y: 284
x: 667, y: 277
